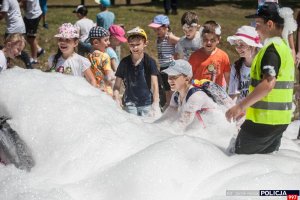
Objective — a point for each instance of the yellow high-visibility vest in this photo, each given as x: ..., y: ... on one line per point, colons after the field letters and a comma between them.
x: 276, y: 106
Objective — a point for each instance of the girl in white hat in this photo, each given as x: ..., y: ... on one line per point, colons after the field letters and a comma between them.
x: 247, y: 44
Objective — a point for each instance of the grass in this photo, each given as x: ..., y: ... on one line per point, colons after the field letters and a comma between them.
x: 229, y: 14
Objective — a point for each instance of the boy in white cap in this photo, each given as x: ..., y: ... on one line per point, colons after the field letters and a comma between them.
x: 269, y: 103
x: 180, y: 79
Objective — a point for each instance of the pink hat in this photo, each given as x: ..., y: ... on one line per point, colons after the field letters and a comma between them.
x: 67, y: 30
x: 118, y: 32
x: 248, y: 35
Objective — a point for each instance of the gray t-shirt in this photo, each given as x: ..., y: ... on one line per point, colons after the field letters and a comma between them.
x: 3, y: 61
x: 14, y: 20
x: 33, y: 9
x: 185, y: 47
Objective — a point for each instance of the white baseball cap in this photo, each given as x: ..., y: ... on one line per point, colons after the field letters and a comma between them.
x: 178, y: 67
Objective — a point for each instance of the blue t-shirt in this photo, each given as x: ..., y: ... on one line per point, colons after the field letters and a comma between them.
x: 136, y: 88
x: 105, y: 19
x: 112, y: 54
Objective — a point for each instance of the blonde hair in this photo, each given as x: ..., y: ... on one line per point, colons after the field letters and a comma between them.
x: 14, y: 38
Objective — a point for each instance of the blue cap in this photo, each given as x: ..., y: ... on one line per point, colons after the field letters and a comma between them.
x: 105, y: 3
x: 159, y: 21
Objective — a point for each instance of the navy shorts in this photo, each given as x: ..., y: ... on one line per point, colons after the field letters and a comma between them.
x: 32, y: 26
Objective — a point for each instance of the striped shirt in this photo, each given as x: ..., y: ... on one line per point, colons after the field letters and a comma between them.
x: 165, y: 52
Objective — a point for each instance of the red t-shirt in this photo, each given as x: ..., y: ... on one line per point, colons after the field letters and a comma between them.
x: 210, y: 66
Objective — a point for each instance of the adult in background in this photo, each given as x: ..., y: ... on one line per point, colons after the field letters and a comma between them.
x: 269, y: 103
x: 170, y: 4
x: 105, y: 18
x: 10, y: 10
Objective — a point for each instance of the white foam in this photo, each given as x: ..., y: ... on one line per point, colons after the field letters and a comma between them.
x: 85, y: 147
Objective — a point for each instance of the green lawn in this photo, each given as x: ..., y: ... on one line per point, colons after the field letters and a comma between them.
x: 229, y: 14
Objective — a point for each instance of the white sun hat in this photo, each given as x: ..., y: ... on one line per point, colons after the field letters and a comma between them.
x: 248, y: 35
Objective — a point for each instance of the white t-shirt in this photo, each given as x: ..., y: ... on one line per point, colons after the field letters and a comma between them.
x: 3, y: 61
x: 239, y: 87
x: 74, y: 65
x: 14, y: 20
x: 85, y: 26
x: 185, y: 47
x: 33, y: 9
x: 187, y: 110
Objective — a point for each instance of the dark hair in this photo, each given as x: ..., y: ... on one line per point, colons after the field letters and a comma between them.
x: 55, y: 59
x: 210, y: 27
x: 189, y: 18
x: 83, y: 11
x: 237, y: 66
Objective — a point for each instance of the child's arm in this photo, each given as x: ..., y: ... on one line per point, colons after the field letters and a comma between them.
x: 116, y: 91
x: 114, y: 65
x: 88, y: 74
x: 172, y: 38
x: 227, y: 77
x: 260, y: 91
x: 155, y: 90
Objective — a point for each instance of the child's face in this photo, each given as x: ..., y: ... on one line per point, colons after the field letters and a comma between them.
x: 190, y: 31
x: 261, y: 28
x: 14, y: 49
x: 161, y: 31
x: 210, y: 42
x: 177, y: 82
x: 100, y: 43
x: 67, y: 45
x: 243, y: 49
x: 114, y: 41
x: 137, y: 46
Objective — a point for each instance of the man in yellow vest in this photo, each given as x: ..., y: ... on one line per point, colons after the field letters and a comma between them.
x: 269, y: 103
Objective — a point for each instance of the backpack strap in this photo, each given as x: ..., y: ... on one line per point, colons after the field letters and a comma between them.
x: 147, y: 70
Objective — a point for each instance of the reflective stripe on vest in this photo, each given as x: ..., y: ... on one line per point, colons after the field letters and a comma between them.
x: 275, y: 107
x: 278, y: 85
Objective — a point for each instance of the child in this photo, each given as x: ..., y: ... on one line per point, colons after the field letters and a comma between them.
x: 13, y: 46
x: 33, y: 14
x: 117, y: 34
x: 269, y: 102
x: 210, y: 62
x: 66, y: 60
x: 247, y: 44
x: 84, y: 24
x: 101, y: 68
x: 166, y: 42
x: 191, y: 42
x: 105, y: 18
x: 10, y: 11
x: 138, y: 98
x: 188, y: 103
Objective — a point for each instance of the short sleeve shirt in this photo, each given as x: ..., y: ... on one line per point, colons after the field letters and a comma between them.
x: 100, y: 62
x: 240, y: 87
x: 136, y: 88
x: 270, y: 62
x: 202, y: 63
x: 85, y: 26
x: 33, y: 9
x: 14, y: 20
x: 185, y: 47
x: 197, y: 101
x: 74, y: 65
x: 105, y: 19
x: 112, y: 54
